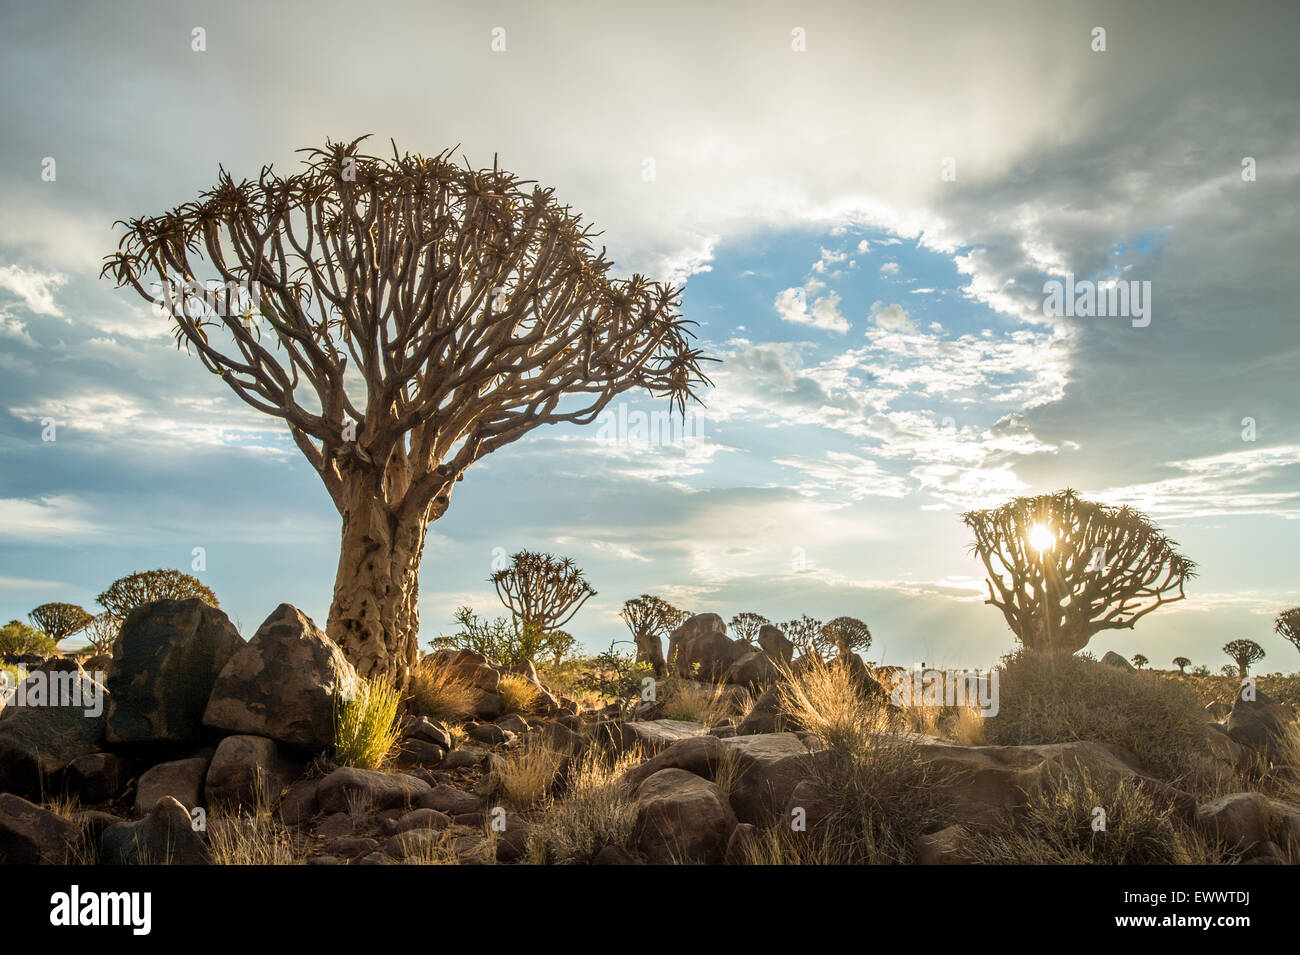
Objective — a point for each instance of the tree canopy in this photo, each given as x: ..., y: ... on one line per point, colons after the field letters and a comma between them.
x: 1062, y: 569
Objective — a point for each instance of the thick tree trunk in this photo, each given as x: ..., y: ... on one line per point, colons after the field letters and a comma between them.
x: 374, y: 617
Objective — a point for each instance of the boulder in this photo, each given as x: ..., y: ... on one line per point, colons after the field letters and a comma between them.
x: 613, y: 855
x: 165, y: 661
x: 513, y: 723
x: 1113, y: 659
x: 431, y: 731
x: 559, y: 738
x: 283, y: 684
x: 1218, y: 710
x: 299, y: 804
x: 754, y: 670
x: 988, y: 785
x: 1224, y: 748
x: 1240, y: 820
x: 700, y: 649
x: 165, y: 836
x: 681, y: 817
x: 56, y: 716
x: 418, y: 753
x: 489, y: 733
x: 30, y: 835
x: 768, y: 768
x: 347, y: 788
x: 181, y: 779
x: 449, y: 800
x: 741, y: 844
x: 765, y: 715
x: 247, y: 772
x: 96, y: 777
x: 774, y: 643
x: 951, y: 846
x: 1260, y: 724
x: 650, y: 650
x: 651, y: 736
x: 421, y: 819
x: 811, y: 803
x: 696, y: 754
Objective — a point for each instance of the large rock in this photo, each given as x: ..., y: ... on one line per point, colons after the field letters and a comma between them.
x: 96, y: 777
x: 283, y: 684
x: 765, y: 715
x: 346, y: 789
x: 1224, y: 748
x: 754, y: 670
x: 681, y: 817
x: 700, y: 649
x: 1260, y: 724
x: 775, y: 644
x: 1113, y: 659
x: 165, y: 661
x: 30, y: 835
x: 181, y: 779
x: 988, y: 785
x: 768, y: 768
x: 165, y: 836
x: 650, y: 735
x: 247, y: 772
x: 1240, y: 820
x: 700, y: 755
x: 57, y: 715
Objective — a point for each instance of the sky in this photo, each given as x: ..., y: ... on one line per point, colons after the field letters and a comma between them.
x: 863, y: 203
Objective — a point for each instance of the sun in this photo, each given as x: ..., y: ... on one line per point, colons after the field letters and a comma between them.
x: 1041, y: 537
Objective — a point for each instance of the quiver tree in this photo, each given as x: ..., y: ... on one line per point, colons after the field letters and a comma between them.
x: 126, y: 593
x: 846, y: 635
x: 102, y: 631
x: 405, y: 317
x: 60, y: 620
x: 650, y: 618
x: 1062, y: 569
x: 1182, y: 663
x: 745, y: 626
x: 806, y: 635
x: 1243, y: 653
x: 1139, y: 660
x: 543, y: 592
x: 1287, y: 626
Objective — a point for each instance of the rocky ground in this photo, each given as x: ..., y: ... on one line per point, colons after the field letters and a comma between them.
x: 207, y: 748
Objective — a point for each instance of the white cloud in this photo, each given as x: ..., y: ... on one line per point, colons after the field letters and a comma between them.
x: 892, y: 318
x: 34, y: 287
x: 792, y: 306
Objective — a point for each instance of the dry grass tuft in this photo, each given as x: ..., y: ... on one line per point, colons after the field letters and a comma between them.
x: 518, y: 693
x: 526, y: 778
x: 436, y: 692
x: 1058, y: 829
x: 878, y: 794
x: 596, y: 811
x: 705, y: 703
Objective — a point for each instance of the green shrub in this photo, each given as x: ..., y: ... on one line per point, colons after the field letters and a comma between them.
x: 504, y: 641
x: 365, y: 726
x: 17, y: 638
